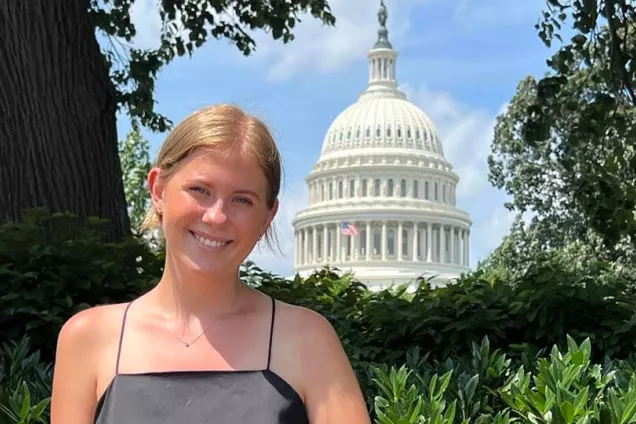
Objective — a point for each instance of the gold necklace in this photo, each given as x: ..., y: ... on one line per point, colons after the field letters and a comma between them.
x: 186, y: 343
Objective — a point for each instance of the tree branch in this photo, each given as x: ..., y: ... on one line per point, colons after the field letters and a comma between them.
x: 617, y: 53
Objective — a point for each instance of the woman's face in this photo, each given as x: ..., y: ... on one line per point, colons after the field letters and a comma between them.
x: 214, y: 210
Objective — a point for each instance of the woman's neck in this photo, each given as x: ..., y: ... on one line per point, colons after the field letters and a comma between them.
x: 186, y: 294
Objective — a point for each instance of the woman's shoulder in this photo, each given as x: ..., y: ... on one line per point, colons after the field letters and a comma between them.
x: 303, y: 321
x: 309, y: 332
x: 80, y: 344
x: 91, y: 327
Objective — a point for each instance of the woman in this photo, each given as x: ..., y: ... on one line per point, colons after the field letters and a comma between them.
x: 201, y: 347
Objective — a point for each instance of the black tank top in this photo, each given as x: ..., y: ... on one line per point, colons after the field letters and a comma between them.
x: 198, y: 397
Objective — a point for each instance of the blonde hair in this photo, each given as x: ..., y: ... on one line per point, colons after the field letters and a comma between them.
x: 224, y: 129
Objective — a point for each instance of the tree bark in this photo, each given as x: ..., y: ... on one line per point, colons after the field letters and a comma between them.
x: 58, y: 131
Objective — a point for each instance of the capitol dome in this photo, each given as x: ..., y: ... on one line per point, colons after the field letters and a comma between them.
x: 382, y: 194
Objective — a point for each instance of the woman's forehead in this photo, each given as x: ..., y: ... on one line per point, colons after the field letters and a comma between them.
x: 236, y: 167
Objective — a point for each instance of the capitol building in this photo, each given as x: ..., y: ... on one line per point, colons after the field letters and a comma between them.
x: 382, y: 199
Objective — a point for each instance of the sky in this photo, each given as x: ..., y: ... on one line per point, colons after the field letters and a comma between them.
x: 459, y: 61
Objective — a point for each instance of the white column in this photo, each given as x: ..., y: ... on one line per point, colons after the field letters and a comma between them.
x: 400, y: 240
x: 314, y: 244
x: 467, y: 247
x: 452, y: 245
x: 429, y: 242
x: 416, y: 231
x: 384, y: 240
x: 295, y: 248
x: 305, y: 246
x: 325, y: 237
x: 355, y: 244
x: 338, y: 250
x: 369, y: 245
x: 442, y: 244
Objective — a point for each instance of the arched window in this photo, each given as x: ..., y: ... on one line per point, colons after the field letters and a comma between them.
x: 340, y: 190
x: 376, y: 188
x: 403, y: 188
x: 352, y: 188
x: 391, y: 242
x: 330, y: 191
x: 416, y: 191
x: 426, y: 193
x: 364, y: 188
x: 390, y: 188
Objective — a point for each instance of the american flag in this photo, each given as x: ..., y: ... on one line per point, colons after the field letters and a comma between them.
x: 349, y: 229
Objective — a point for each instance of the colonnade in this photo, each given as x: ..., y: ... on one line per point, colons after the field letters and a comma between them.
x: 385, y: 240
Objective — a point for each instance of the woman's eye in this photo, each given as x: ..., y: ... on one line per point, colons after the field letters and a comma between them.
x: 199, y: 190
x: 244, y: 200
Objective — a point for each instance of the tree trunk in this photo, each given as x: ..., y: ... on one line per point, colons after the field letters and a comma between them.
x: 58, y: 131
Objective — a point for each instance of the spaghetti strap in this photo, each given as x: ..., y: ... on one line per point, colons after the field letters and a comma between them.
x: 121, y: 337
x: 271, y: 333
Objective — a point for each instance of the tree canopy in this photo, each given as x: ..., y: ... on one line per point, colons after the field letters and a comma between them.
x: 186, y: 26
x: 564, y: 148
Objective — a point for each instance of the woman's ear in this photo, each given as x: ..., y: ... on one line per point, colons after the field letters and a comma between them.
x: 270, y: 216
x: 156, y: 188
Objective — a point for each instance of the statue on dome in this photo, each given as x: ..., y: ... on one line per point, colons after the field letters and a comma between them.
x: 382, y: 14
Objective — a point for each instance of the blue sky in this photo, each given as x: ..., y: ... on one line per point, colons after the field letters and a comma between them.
x: 459, y: 61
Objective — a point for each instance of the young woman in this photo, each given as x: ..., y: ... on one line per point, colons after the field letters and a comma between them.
x: 202, y: 347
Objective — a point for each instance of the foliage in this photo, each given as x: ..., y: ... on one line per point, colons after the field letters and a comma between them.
x: 563, y: 148
x: 134, y: 155
x: 51, y: 268
x: 25, y: 384
x: 604, y: 33
x: 186, y: 26
x: 561, y: 388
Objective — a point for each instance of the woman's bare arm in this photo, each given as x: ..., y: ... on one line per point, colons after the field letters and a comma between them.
x: 74, y: 379
x: 331, y: 389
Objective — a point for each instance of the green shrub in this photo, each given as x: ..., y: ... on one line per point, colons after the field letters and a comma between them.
x: 51, y: 268
x: 562, y: 388
x: 25, y: 385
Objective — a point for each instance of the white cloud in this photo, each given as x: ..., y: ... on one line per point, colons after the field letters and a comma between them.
x: 322, y: 48
x: 144, y: 14
x: 466, y: 134
x: 487, y: 233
